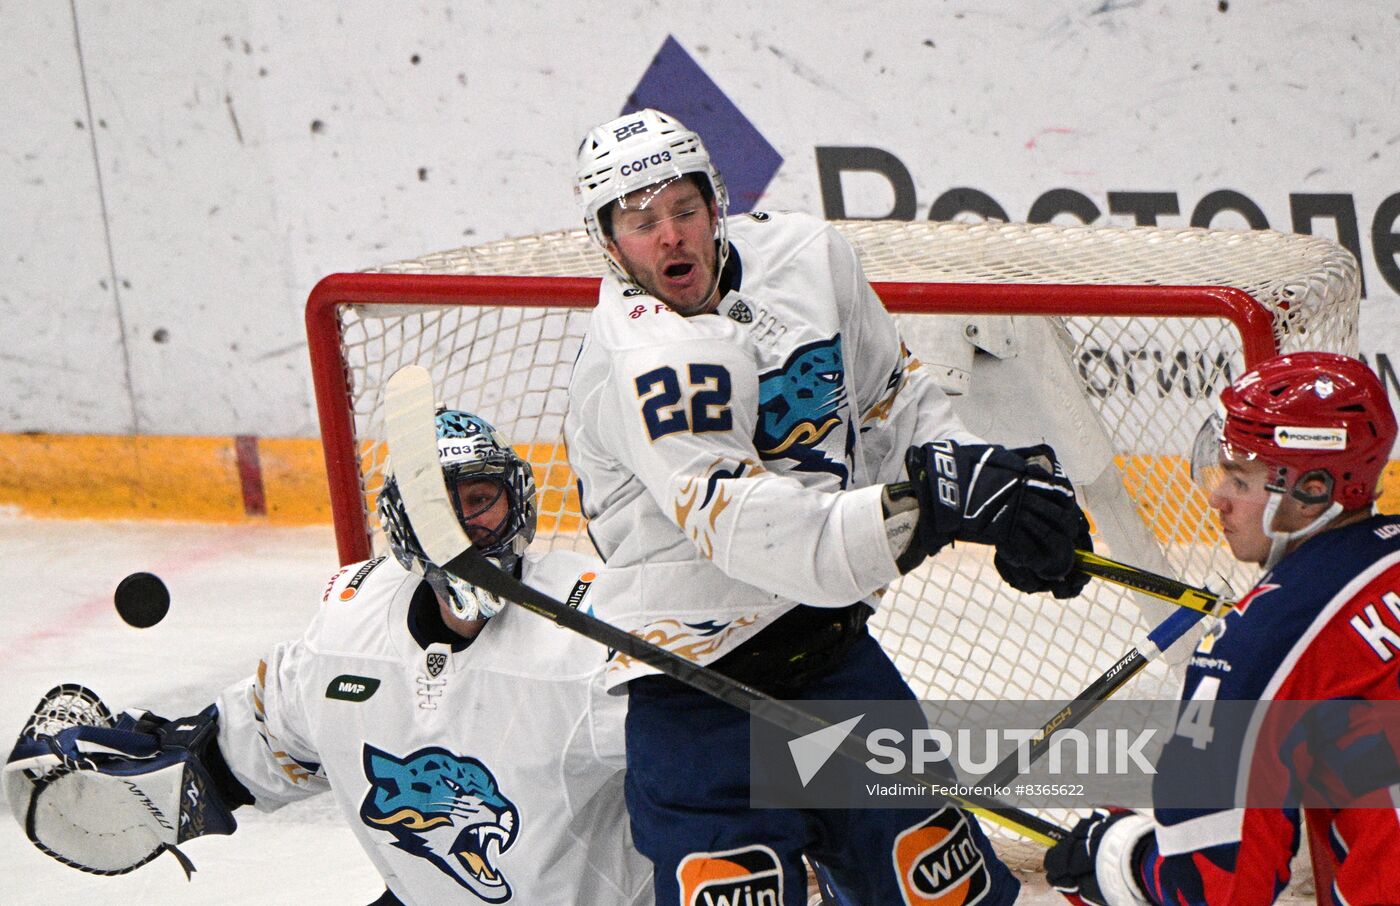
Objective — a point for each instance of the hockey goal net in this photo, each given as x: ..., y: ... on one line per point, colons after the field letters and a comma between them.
x: 1108, y: 343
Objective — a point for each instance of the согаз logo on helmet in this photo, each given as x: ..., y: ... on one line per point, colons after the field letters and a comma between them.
x: 638, y: 166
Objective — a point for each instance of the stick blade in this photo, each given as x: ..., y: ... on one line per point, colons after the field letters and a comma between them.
x: 410, y: 417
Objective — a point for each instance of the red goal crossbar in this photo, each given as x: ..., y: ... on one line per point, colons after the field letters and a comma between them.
x: 1253, y: 322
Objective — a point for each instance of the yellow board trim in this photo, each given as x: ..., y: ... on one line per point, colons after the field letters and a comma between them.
x: 194, y: 479
x: 198, y: 479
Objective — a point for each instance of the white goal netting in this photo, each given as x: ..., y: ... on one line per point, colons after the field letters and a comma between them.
x: 1108, y: 343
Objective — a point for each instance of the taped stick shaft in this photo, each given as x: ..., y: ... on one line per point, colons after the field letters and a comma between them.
x: 1099, y: 691
x: 1157, y: 586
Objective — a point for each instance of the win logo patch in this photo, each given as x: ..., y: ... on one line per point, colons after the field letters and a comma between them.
x: 749, y: 876
x: 350, y: 688
x: 939, y: 864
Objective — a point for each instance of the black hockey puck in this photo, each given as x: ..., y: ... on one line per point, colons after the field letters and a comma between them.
x: 142, y: 600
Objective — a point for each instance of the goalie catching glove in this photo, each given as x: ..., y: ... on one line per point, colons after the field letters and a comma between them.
x: 1019, y: 501
x: 107, y: 796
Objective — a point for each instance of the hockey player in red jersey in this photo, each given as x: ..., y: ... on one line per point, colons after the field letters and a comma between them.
x: 1292, y: 467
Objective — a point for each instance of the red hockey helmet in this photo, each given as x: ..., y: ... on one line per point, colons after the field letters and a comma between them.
x: 1313, y: 412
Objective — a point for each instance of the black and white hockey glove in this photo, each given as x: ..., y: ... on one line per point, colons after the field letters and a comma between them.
x: 1097, y: 863
x: 108, y: 796
x: 1019, y: 501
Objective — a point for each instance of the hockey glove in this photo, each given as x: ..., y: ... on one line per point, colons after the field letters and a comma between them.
x: 1025, y: 579
x: 108, y: 798
x: 990, y: 495
x: 1098, y: 862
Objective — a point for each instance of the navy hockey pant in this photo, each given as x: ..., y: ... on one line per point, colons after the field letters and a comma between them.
x: 688, y: 796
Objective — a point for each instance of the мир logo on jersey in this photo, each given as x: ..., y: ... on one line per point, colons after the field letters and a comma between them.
x: 798, y: 406
x: 749, y: 876
x: 445, y: 808
x: 939, y: 863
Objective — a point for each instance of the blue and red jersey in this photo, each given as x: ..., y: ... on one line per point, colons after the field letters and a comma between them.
x: 1322, y: 627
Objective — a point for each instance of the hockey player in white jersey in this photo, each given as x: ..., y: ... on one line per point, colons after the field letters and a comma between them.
x: 473, y: 750
x: 739, y: 405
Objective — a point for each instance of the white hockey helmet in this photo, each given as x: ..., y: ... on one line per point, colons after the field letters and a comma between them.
x: 635, y: 151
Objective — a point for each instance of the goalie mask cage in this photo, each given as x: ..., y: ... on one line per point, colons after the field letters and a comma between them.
x: 1109, y: 343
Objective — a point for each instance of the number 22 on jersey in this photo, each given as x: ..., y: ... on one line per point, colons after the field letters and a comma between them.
x: 703, y: 405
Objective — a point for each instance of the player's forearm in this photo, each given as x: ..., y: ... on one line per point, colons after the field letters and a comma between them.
x: 256, y: 755
x: 226, y: 782
x: 819, y: 548
x: 920, y: 414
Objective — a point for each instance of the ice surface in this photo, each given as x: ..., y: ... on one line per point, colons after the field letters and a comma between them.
x: 235, y: 591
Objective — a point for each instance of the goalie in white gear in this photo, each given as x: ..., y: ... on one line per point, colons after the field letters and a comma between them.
x: 739, y: 404
x: 473, y: 750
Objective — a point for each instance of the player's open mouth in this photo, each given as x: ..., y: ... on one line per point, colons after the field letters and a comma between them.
x: 678, y: 271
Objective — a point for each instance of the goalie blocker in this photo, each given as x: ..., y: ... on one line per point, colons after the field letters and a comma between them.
x: 107, y: 795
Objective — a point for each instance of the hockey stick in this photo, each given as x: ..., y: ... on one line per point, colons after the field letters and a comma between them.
x: 1099, y: 691
x: 1194, y: 603
x: 1172, y: 591
x: 412, y: 437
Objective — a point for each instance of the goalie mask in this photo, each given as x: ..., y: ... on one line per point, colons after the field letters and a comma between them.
x: 1320, y: 421
x: 473, y: 457
x: 636, y: 151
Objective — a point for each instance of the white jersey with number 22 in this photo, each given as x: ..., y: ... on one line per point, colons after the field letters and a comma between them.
x: 710, y: 450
